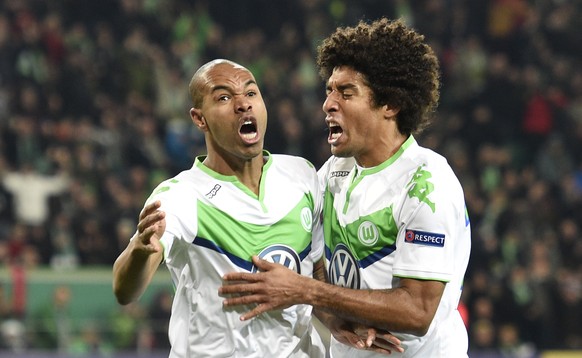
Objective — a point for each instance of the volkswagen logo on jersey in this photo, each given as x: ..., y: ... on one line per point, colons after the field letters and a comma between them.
x: 281, y: 254
x: 343, y: 268
x: 306, y: 219
x: 368, y: 233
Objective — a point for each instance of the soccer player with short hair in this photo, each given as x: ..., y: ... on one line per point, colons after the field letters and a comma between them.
x: 235, y: 202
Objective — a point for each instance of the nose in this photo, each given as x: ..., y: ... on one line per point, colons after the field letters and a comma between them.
x: 242, y: 104
x: 329, y: 105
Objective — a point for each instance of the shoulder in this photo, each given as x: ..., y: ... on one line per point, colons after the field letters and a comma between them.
x: 334, y: 172
x: 429, y: 161
x: 292, y: 164
x: 336, y: 167
x: 174, y: 187
x: 430, y: 178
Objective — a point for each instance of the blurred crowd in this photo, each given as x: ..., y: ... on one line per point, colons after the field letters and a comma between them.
x: 55, y: 328
x: 94, y: 113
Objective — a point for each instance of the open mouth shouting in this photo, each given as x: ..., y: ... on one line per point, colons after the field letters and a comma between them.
x: 335, y: 132
x: 248, y: 130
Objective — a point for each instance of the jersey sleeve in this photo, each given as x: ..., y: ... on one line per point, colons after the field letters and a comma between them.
x: 322, y: 175
x: 430, y: 221
x: 317, y: 242
x: 171, y: 193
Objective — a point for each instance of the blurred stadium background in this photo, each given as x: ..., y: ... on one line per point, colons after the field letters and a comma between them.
x: 94, y: 113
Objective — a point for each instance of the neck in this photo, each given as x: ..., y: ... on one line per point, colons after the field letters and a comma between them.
x: 247, y: 171
x: 382, y: 151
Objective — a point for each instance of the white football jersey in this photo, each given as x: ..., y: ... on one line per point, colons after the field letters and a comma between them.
x: 214, y: 225
x: 405, y: 218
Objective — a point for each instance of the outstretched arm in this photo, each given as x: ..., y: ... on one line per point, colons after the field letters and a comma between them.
x: 136, y: 265
x: 408, y: 308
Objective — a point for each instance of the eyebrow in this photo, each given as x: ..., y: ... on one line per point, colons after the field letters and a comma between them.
x: 228, y: 88
x: 342, y: 87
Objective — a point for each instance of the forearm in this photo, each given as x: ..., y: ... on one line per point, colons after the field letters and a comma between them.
x: 393, y: 310
x: 408, y: 308
x: 132, y: 273
x: 328, y: 316
x: 329, y: 312
x: 320, y: 274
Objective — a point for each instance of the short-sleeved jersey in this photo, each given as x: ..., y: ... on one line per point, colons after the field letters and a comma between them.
x: 405, y: 218
x: 214, y: 224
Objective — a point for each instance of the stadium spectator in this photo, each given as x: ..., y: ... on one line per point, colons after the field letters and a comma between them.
x: 53, y: 323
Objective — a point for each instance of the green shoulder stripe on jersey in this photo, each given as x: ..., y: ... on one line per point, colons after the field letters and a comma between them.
x: 163, y: 187
x: 263, y: 180
x: 244, y: 239
x: 331, y: 229
x: 353, y: 184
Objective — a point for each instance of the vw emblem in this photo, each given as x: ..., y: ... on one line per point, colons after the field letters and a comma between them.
x: 343, y: 268
x: 281, y: 254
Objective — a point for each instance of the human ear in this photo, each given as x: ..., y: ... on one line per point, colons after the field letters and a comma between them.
x: 390, y: 112
x: 197, y: 118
